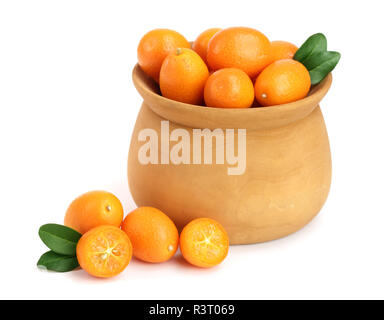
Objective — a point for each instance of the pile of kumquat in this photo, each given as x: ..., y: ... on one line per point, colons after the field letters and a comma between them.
x: 236, y: 67
x: 97, y: 238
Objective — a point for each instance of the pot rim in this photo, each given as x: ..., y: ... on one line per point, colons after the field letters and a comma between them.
x: 258, y: 118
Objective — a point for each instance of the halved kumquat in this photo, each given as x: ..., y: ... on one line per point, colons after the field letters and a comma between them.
x: 204, y: 242
x: 104, y: 251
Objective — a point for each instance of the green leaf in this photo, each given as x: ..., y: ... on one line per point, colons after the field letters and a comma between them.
x: 322, y: 64
x: 60, y: 239
x: 57, y: 262
x: 314, y: 56
x: 314, y: 44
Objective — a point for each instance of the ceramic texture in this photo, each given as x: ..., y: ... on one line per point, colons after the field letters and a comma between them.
x: 288, y: 173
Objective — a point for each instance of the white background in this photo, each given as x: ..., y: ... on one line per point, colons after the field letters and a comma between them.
x: 68, y: 107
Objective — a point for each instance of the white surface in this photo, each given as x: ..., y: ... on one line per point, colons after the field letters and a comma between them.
x: 68, y: 107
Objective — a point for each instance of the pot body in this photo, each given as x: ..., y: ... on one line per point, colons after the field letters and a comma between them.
x: 285, y: 183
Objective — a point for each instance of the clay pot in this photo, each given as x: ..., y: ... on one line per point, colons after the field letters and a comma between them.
x: 288, y: 165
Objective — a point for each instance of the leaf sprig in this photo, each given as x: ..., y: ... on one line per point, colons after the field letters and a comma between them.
x: 314, y: 56
x: 62, y: 242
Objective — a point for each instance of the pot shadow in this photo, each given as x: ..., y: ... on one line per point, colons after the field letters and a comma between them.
x: 287, y: 241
